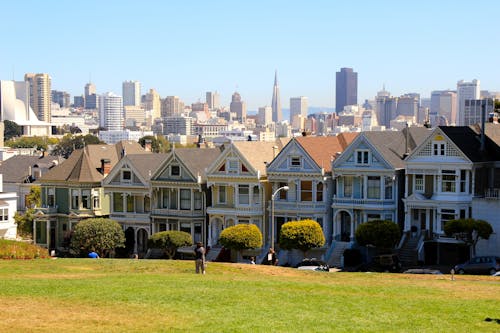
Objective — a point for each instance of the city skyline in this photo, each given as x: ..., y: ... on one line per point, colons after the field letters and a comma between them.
x: 408, y: 48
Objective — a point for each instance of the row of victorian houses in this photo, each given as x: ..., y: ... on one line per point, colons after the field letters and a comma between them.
x: 418, y: 178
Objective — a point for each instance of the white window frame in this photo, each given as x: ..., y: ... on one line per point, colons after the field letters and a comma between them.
x: 4, y: 214
x: 419, y: 188
x: 222, y: 194
x: 362, y: 157
x: 453, y: 183
x: 295, y: 162
x: 240, y: 195
x: 51, y: 191
x: 78, y: 200
x: 122, y: 176
x: 232, y: 166
x: 438, y: 148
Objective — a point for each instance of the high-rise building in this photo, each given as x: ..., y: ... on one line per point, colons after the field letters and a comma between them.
x: 171, y: 106
x: 91, y: 98
x: 213, y: 100
x: 152, y: 102
x: 111, y: 112
x: 473, y: 110
x: 238, y: 107
x: 79, y: 101
x: 265, y: 115
x: 443, y: 104
x: 298, y: 107
x: 61, y: 97
x: 131, y: 91
x: 386, y: 110
x: 276, y: 103
x: 178, y: 125
x: 346, y: 88
x: 40, y: 94
x: 466, y: 90
x: 408, y: 105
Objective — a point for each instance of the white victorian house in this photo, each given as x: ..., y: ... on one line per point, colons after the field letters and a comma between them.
x: 239, y: 187
x: 128, y: 187
x: 179, y: 192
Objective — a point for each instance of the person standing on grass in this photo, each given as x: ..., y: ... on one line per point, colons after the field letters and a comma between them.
x: 199, y: 253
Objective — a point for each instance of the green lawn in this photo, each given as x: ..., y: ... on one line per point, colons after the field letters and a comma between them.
x: 85, y: 295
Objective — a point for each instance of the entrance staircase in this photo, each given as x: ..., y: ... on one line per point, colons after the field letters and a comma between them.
x: 408, y: 252
x: 335, y: 257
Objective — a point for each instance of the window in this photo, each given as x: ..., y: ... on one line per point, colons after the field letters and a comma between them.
x: 462, y: 213
x: 4, y: 214
x: 173, y: 198
x: 197, y: 201
x: 373, y: 187
x: 447, y: 215
x: 185, y: 199
x: 371, y: 217
x: 388, y: 188
x: 243, y: 194
x: 319, y: 192
x: 306, y: 190
x: 388, y: 217
x: 75, y: 196
x: 232, y: 166
x: 448, y: 181
x: 362, y: 156
x: 173, y: 225
x: 243, y: 221
x: 348, y: 186
x: 282, y: 194
x: 86, y: 199
x: 463, y: 180
x: 419, y: 183
x: 126, y: 176
x: 96, y: 200
x: 117, y: 202
x: 438, y: 148
x: 164, y: 197
x: 255, y: 195
x: 175, y: 170
x: 295, y: 162
x: 51, y: 198
x: 186, y: 227
x: 222, y: 194
x: 147, y: 204
x: 41, y: 232
x: 130, y: 203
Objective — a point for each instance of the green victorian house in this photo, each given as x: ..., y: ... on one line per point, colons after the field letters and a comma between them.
x: 72, y: 191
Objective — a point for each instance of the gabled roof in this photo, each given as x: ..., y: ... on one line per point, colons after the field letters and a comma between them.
x: 492, y: 130
x: 392, y: 144
x: 469, y: 142
x: 17, y: 168
x: 197, y: 160
x: 257, y: 153
x: 84, y: 165
x: 146, y: 164
x: 323, y: 149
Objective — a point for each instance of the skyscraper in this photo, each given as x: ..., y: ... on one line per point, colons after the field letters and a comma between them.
x: 171, y: 106
x: 212, y: 99
x: 91, y: 98
x: 443, y: 104
x: 473, y: 110
x: 131, y: 91
x: 276, y: 104
x: 111, y: 112
x: 238, y: 107
x: 298, y: 110
x: 346, y: 88
x: 265, y: 115
x: 152, y: 102
x: 40, y: 94
x: 466, y: 90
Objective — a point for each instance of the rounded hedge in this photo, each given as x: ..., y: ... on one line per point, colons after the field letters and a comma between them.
x: 241, y: 237
x: 170, y: 241
x: 379, y: 233
x: 303, y: 235
x: 99, y: 234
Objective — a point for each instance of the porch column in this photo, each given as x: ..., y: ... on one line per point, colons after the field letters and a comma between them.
x: 407, y: 219
x: 438, y: 222
x: 135, y: 240
x: 209, y: 241
x: 352, y: 226
x: 427, y: 218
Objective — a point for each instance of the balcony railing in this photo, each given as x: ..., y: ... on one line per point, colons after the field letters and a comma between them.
x: 355, y: 201
x: 47, y: 210
x: 174, y: 212
x: 492, y: 193
x: 299, y: 205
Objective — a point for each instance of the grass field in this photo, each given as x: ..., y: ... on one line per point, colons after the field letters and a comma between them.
x: 85, y: 295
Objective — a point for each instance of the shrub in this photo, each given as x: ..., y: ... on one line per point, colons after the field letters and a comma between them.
x: 99, y: 234
x: 241, y: 237
x: 10, y: 249
x: 303, y: 235
x: 381, y: 234
x: 468, y: 230
x: 170, y: 241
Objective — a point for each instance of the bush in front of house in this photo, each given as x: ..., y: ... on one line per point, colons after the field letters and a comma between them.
x: 241, y: 237
x: 378, y: 233
x: 302, y: 235
x: 11, y: 249
x: 97, y: 234
x: 170, y: 241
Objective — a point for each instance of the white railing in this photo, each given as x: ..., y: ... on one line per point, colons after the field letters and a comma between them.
x: 354, y: 201
x: 174, y: 212
x: 492, y: 193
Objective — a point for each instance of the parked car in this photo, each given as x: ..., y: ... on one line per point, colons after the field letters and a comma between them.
x: 422, y: 271
x: 313, y: 264
x: 479, y: 265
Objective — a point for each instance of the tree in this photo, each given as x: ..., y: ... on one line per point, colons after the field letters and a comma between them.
x: 100, y: 234
x: 468, y: 230
x: 241, y: 237
x: 379, y: 233
x: 71, y: 142
x: 303, y: 235
x: 11, y: 130
x: 159, y: 144
x: 38, y: 142
x: 24, y: 220
x: 170, y: 241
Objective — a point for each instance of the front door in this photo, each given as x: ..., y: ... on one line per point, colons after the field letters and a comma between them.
x: 345, y: 227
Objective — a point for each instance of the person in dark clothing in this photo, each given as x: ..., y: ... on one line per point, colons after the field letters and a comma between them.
x: 270, y: 258
x: 200, y: 263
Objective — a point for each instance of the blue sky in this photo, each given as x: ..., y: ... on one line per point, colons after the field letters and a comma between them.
x: 186, y: 48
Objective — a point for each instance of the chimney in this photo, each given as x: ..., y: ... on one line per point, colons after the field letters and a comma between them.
x: 147, y: 145
x: 105, y: 166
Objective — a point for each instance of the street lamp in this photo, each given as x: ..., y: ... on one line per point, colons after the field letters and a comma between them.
x: 285, y: 188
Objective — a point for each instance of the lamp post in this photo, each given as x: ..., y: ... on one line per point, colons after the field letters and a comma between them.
x: 285, y: 188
